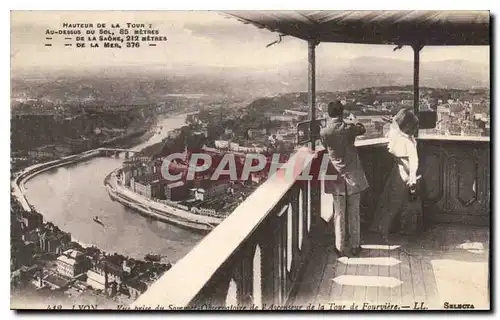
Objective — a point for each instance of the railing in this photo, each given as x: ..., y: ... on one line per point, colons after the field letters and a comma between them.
x: 257, y: 254
x: 455, y: 178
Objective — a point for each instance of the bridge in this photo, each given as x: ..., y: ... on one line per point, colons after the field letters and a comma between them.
x: 276, y: 248
x: 120, y: 150
x: 117, y: 152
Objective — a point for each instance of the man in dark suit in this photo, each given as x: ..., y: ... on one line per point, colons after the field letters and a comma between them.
x: 338, y: 137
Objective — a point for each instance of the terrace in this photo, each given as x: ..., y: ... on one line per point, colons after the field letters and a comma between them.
x: 276, y: 248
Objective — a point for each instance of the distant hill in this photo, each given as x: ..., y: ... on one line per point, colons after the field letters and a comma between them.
x: 151, y: 84
x: 374, y: 71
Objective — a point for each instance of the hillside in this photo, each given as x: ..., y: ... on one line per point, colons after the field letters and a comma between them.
x: 153, y: 84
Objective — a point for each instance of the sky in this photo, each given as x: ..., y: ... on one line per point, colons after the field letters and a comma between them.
x: 195, y: 39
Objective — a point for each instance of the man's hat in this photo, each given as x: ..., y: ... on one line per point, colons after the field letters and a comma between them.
x: 335, y: 108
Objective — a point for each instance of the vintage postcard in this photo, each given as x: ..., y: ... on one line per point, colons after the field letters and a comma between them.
x: 250, y: 160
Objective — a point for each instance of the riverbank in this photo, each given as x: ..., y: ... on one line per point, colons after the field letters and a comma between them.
x: 145, y: 139
x: 18, y: 190
x: 18, y: 184
x: 156, y: 209
x: 31, y: 197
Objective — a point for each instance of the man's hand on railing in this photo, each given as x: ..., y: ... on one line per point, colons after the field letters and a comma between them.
x: 387, y: 118
x: 361, y: 128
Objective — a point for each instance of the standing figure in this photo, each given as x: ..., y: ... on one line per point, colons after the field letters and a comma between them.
x: 400, y: 187
x: 338, y: 137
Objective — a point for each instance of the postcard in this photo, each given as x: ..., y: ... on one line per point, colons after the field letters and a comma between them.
x: 250, y: 160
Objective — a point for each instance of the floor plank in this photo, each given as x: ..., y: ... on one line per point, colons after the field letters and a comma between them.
x: 325, y: 287
x: 360, y: 291
x: 384, y: 292
x: 337, y: 288
x: 371, y: 270
x: 395, y: 272
x: 417, y: 278
x: 313, y: 276
x: 430, y: 285
x: 348, y: 290
x: 406, y: 279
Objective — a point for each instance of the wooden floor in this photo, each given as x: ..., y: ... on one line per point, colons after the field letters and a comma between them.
x: 448, y: 263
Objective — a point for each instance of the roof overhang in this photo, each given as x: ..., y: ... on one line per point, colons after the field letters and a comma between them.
x: 434, y: 28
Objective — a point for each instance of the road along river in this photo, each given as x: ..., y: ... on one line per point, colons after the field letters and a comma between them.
x: 72, y: 195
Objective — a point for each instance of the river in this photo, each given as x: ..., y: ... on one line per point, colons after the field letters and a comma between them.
x: 70, y: 196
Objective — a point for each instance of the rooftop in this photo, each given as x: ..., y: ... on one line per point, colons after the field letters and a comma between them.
x: 175, y: 184
x: 72, y: 253
x: 56, y: 280
x: 137, y: 284
x: 66, y: 260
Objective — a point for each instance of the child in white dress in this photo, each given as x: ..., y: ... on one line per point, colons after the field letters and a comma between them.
x: 397, y: 197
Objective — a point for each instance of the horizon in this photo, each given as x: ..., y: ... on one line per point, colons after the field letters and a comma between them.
x: 252, y: 68
x: 196, y: 40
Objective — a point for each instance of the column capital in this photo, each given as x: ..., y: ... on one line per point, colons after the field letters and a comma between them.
x: 417, y: 46
x: 313, y: 43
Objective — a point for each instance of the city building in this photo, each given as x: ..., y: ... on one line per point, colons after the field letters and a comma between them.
x: 176, y: 191
x: 140, y: 188
x: 71, y: 263
x: 127, y: 267
x: 208, y: 189
x: 31, y: 236
x: 55, y: 282
x: 32, y: 220
x: 25, y: 252
x: 454, y: 129
x: 52, y: 242
x: 407, y: 103
x: 16, y: 226
x: 256, y: 133
x: 150, y: 186
x: 462, y: 118
x: 37, y: 281
x: 34, y: 154
x: 443, y: 108
x: 126, y: 175
x: 480, y: 108
x: 221, y: 144
x: 258, y: 177
x: 283, y: 118
x: 298, y: 115
x: 236, y: 147
x: 96, y: 279
x: 66, y: 266
x: 205, y: 211
x: 456, y: 108
x: 136, y: 288
x: 111, y: 267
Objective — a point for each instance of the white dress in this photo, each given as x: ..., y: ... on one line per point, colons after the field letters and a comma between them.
x: 404, y: 148
x: 394, y: 199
